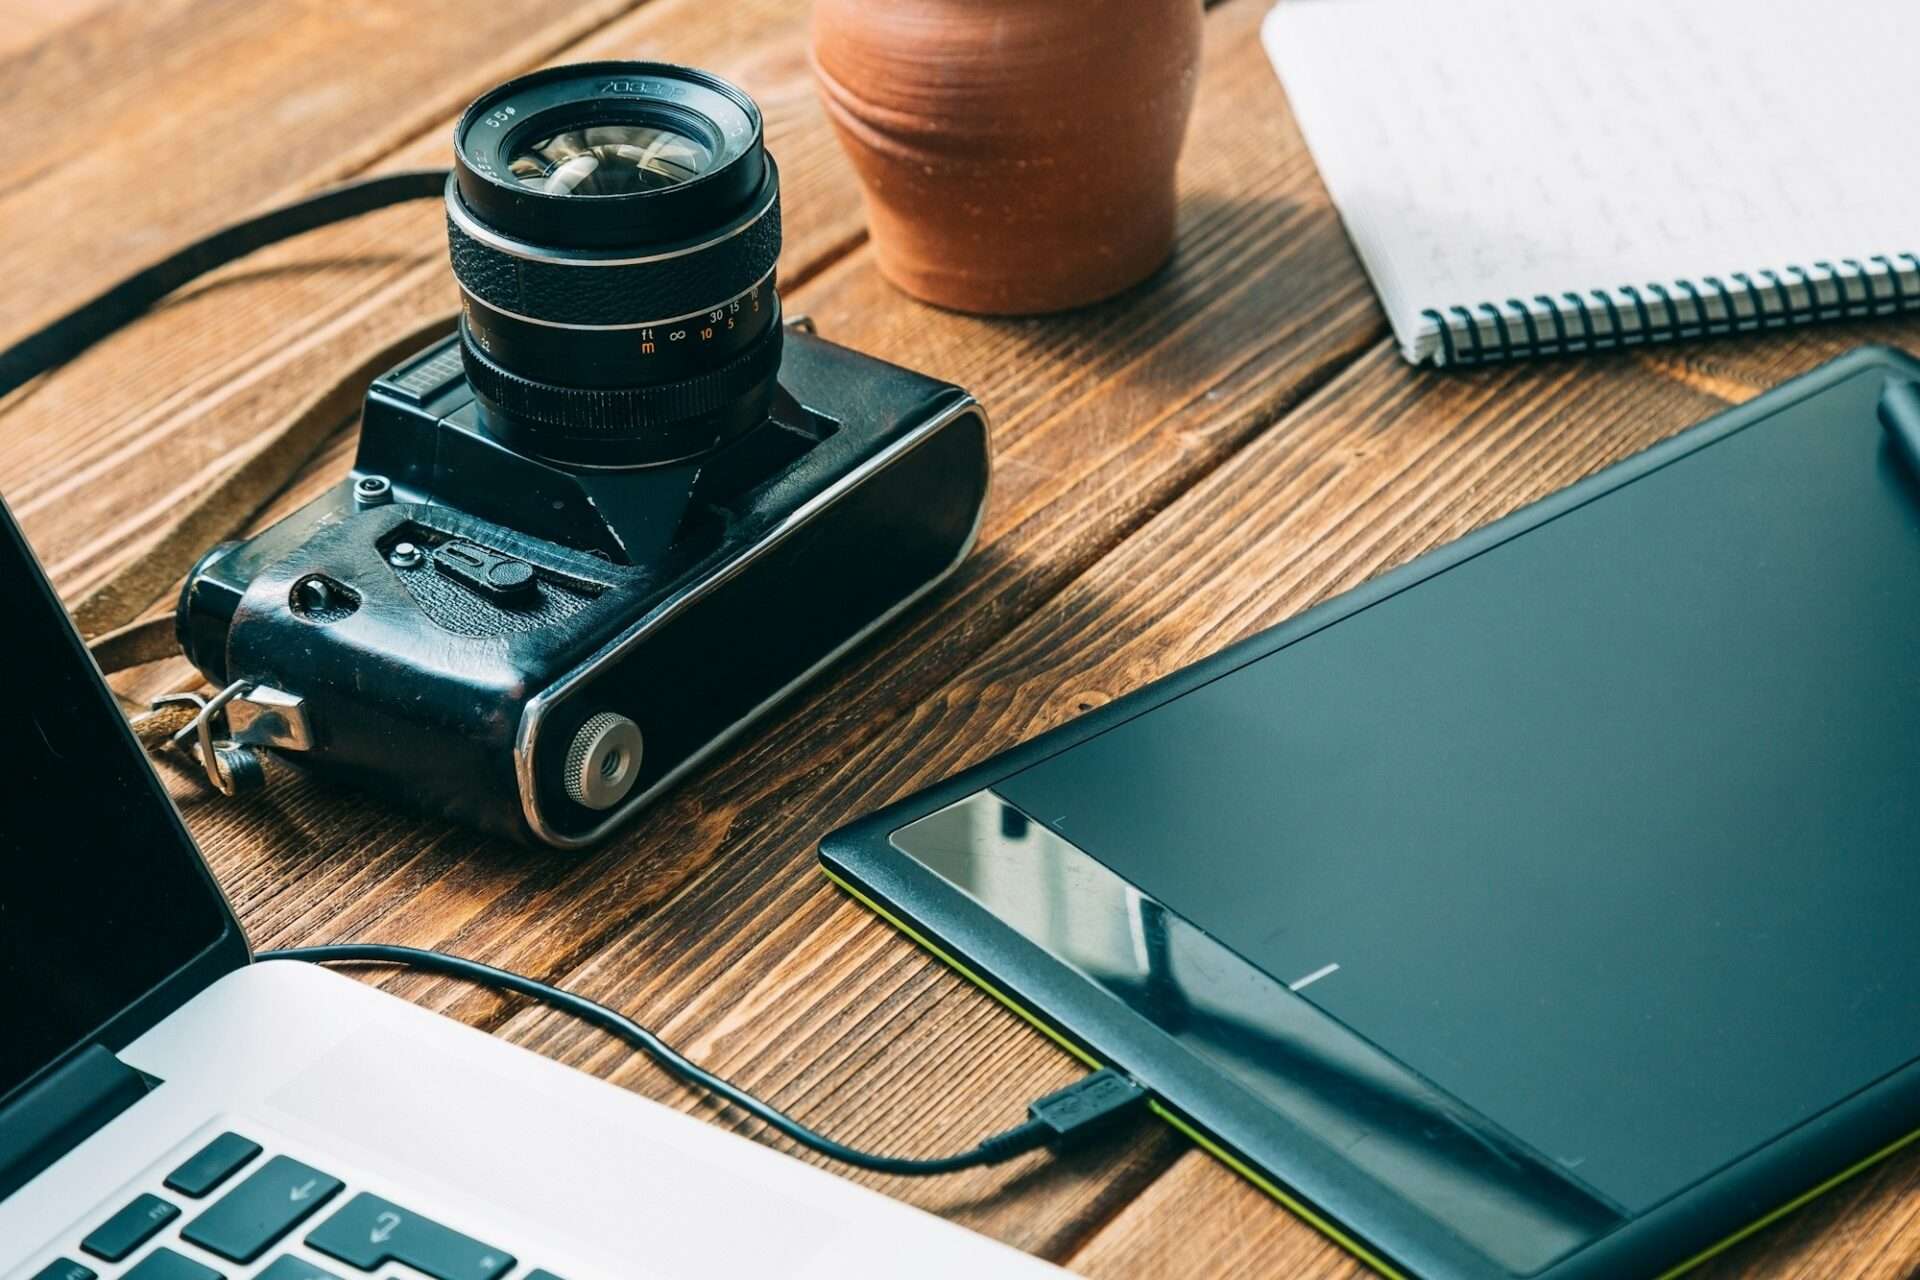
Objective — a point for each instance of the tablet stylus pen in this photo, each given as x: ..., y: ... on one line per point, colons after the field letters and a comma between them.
x: 1900, y: 415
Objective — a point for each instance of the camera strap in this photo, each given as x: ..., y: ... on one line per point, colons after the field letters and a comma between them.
x: 106, y: 614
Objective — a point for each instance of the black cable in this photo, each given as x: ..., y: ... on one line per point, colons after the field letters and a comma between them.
x: 66, y: 337
x: 1070, y: 1113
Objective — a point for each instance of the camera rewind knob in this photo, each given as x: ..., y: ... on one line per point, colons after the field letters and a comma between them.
x: 604, y: 761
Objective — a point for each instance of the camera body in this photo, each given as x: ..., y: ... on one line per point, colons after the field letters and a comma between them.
x: 468, y: 628
x: 617, y: 516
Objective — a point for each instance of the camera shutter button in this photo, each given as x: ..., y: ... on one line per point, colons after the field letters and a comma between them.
x: 510, y: 575
x: 604, y: 761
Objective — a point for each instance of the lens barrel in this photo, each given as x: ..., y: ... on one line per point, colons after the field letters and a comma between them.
x: 614, y: 229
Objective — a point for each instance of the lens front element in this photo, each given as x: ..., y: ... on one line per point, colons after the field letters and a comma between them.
x: 610, y: 160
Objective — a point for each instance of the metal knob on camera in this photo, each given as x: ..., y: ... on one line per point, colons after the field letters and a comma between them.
x: 604, y: 761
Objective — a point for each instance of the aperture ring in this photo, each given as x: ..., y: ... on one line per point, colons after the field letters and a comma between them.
x: 584, y: 413
x: 600, y: 293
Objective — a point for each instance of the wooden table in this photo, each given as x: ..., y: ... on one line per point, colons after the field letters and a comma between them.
x: 1176, y: 469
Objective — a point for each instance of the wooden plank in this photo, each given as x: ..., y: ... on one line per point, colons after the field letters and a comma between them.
x: 1868, y: 1229
x: 26, y: 23
x: 249, y: 104
x: 1230, y: 1228
x: 1200, y: 1219
x: 187, y: 391
x: 229, y: 105
x: 1742, y: 367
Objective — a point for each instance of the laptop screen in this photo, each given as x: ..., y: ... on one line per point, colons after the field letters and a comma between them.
x: 103, y: 897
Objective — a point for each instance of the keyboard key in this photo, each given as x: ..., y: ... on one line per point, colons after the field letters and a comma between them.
x: 273, y: 1200
x: 371, y: 1232
x: 292, y: 1268
x: 212, y: 1165
x: 130, y: 1228
x: 165, y: 1264
x: 62, y: 1269
x: 542, y: 1274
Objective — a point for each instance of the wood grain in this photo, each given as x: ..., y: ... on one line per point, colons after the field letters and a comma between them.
x: 1209, y: 454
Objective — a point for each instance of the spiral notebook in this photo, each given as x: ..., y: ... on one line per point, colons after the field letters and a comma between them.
x: 1539, y: 177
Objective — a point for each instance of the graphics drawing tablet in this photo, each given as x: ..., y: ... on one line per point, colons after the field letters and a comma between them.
x: 1542, y: 908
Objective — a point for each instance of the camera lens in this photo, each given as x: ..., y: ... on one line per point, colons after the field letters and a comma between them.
x: 614, y: 228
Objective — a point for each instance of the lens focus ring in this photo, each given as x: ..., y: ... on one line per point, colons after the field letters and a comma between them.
x: 589, y: 293
x: 657, y: 423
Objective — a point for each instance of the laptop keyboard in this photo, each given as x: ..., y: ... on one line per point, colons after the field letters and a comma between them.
x: 245, y: 1208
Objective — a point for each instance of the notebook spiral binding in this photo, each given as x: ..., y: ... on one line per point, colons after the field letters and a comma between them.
x: 1631, y: 315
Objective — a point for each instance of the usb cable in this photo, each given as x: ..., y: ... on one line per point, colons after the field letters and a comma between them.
x: 1062, y: 1119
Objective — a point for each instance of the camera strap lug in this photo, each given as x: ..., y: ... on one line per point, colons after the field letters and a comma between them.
x: 226, y: 732
x: 264, y: 716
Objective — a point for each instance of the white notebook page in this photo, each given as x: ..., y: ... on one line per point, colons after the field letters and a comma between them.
x: 1487, y: 150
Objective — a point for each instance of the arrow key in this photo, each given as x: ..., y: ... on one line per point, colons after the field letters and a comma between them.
x: 277, y: 1197
x: 370, y: 1232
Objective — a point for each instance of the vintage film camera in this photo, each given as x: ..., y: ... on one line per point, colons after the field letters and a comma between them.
x: 617, y: 516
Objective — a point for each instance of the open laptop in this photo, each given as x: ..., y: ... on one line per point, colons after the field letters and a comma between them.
x: 171, y: 1111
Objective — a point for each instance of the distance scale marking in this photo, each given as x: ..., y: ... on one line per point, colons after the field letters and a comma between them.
x: 662, y: 349
x: 710, y: 325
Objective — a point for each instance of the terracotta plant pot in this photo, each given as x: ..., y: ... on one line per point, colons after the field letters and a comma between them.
x: 1018, y: 156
